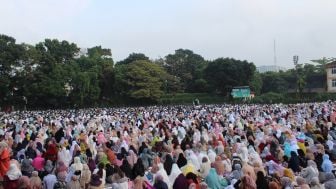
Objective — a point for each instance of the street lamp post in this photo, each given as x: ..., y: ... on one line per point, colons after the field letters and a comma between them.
x: 12, y: 94
x: 26, y: 101
x: 296, y: 60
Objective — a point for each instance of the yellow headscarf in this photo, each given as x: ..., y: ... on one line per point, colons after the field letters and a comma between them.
x: 289, y: 173
x: 302, y: 147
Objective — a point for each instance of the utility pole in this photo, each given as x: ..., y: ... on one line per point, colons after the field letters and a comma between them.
x: 275, y: 58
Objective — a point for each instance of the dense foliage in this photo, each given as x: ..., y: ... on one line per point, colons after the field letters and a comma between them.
x: 57, y: 74
x: 303, y: 78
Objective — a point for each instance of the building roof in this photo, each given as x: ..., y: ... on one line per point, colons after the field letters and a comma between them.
x: 331, y: 64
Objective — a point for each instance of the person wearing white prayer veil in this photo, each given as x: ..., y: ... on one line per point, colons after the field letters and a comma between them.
x: 192, y: 156
x: 14, y: 172
x: 243, y: 153
x: 205, y: 167
x: 164, y: 175
x: 211, y: 155
x: 197, y: 136
x: 175, y: 172
x: 64, y: 155
x: 123, y: 145
x: 73, y: 147
x: 77, y: 165
x: 202, y: 154
x: 92, y: 146
x: 204, y: 136
x: 254, y: 157
x: 227, y: 163
x: 259, y: 135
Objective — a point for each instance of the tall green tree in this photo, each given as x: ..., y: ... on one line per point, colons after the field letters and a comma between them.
x: 301, y: 83
x: 313, y: 76
x: 10, y: 64
x: 275, y: 82
x: 140, y: 79
x: 321, y: 63
x: 256, y: 83
x: 172, y: 83
x: 223, y: 74
x: 51, y: 76
x: 103, y: 59
x: 91, y: 76
x: 134, y: 57
x: 25, y: 77
x: 84, y: 84
x: 187, y: 66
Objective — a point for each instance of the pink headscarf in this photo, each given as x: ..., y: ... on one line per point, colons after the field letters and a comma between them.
x: 101, y: 138
x: 24, y: 182
x: 61, y: 167
x: 247, y: 182
x: 132, y: 158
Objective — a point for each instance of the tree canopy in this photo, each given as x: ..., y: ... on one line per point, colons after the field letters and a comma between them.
x: 223, y: 74
x: 134, y: 57
x: 141, y: 79
x: 186, y: 66
x: 57, y: 74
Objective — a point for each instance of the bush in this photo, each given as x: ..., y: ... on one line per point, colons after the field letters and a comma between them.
x: 291, y: 98
x: 188, y: 98
x: 269, y: 97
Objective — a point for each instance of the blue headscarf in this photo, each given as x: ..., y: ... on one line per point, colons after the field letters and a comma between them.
x: 287, y: 149
x: 214, y: 181
x: 327, y: 165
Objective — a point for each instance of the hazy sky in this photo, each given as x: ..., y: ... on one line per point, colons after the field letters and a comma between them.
x: 242, y: 29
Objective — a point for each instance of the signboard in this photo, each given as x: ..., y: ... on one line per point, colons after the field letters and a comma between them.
x: 241, y: 92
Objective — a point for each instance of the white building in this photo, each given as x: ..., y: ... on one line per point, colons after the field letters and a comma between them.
x: 82, y: 52
x: 331, y: 76
x: 270, y: 68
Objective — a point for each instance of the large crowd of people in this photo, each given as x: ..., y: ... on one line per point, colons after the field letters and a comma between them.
x: 225, y: 146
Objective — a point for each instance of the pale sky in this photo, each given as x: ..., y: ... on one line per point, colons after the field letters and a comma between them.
x: 241, y: 29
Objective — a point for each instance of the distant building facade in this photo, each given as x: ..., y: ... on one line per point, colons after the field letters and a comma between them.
x: 270, y: 68
x: 82, y: 52
x: 331, y: 76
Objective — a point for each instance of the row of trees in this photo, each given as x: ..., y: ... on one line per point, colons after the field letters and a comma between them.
x: 305, y: 77
x: 56, y: 74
